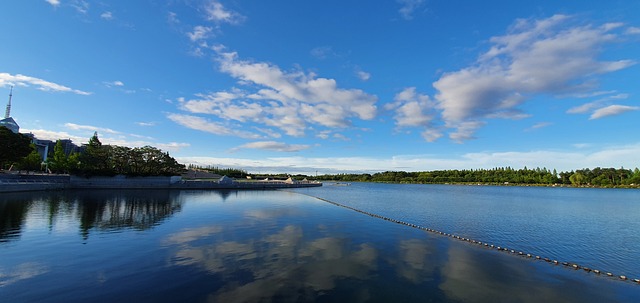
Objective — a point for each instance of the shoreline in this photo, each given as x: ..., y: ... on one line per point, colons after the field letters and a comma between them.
x: 496, y: 184
x: 29, y: 183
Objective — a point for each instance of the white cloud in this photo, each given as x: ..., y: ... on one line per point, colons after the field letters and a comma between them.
x: 606, y: 156
x: 80, y: 134
x: 53, y: 2
x: 548, y: 56
x: 171, y: 146
x: 584, y: 108
x: 146, y: 124
x: 273, y: 146
x: 341, y: 137
x: 218, y: 13
x: 612, y: 110
x: 199, y: 123
x: 539, y: 125
x: 74, y: 126
x: 633, y: 31
x: 81, y: 6
x: 593, y: 106
x: 289, y: 101
x: 323, y: 134
x: 466, y: 130
x: 432, y: 134
x: 199, y: 33
x: 114, y: 83
x: 22, y: 80
x: 415, y: 110
x: 409, y: 7
x: 172, y: 18
x: 106, y: 16
x: 364, y: 76
x: 322, y: 52
x: 44, y: 134
x: 409, y: 108
x: 269, y: 132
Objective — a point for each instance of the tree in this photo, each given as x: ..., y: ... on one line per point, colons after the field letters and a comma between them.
x: 33, y: 161
x: 60, y: 161
x: 73, y: 162
x: 13, y: 147
x: 95, y: 159
x: 577, y: 178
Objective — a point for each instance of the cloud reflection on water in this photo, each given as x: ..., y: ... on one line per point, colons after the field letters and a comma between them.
x: 413, y: 261
x: 20, y: 272
x: 285, y: 263
x: 471, y: 275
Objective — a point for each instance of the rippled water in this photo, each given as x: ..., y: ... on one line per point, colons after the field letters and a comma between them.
x: 597, y: 228
x: 273, y: 246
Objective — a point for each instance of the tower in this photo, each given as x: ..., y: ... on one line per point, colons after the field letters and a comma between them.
x: 8, y: 122
x: 7, y: 113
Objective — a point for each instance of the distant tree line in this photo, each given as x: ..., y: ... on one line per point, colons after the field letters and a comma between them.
x: 539, y: 176
x: 229, y: 172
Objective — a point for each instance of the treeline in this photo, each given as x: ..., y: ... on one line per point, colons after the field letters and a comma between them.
x: 229, y: 172
x: 110, y: 160
x: 539, y: 176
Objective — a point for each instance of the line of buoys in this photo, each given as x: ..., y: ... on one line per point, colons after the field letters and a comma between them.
x: 489, y: 246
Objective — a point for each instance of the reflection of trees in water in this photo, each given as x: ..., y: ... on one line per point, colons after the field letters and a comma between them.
x: 99, y: 209
x: 12, y: 215
x: 113, y: 210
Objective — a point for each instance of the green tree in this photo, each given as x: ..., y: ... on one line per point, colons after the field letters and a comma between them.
x: 73, y: 162
x: 60, y: 162
x: 95, y: 159
x: 13, y: 147
x: 577, y: 178
x: 33, y: 161
x: 635, y: 177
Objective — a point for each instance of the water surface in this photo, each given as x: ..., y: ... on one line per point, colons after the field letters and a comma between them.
x: 254, y: 246
x: 593, y: 227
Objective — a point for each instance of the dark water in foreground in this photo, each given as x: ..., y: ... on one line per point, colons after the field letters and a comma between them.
x: 255, y: 246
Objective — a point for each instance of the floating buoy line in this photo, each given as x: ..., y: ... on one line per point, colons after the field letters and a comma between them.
x: 485, y: 244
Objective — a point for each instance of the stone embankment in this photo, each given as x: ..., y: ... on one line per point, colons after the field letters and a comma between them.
x: 13, y: 182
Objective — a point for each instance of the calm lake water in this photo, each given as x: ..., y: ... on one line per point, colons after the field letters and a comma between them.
x: 594, y: 227
x: 277, y: 246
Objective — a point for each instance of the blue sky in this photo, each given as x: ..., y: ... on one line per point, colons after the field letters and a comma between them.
x: 333, y: 86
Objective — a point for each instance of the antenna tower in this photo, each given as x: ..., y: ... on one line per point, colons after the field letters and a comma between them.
x: 7, y: 113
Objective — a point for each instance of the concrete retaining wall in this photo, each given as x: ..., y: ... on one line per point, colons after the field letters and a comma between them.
x: 123, y: 182
x: 16, y: 183
x: 23, y: 186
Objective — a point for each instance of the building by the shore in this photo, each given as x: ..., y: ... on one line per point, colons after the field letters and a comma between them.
x: 44, y: 147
